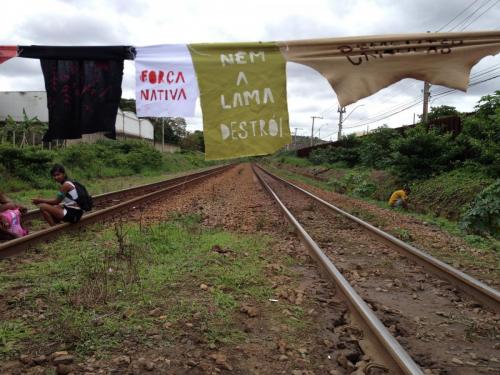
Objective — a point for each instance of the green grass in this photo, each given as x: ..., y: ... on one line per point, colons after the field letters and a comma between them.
x: 97, y: 186
x: 478, y: 242
x: 103, y: 166
x: 483, y: 244
x: 96, y: 293
x: 11, y: 333
x: 449, y: 193
x: 294, y: 160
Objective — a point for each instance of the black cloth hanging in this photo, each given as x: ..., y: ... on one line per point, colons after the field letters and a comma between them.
x: 83, y: 87
x: 77, y: 53
x: 82, y: 97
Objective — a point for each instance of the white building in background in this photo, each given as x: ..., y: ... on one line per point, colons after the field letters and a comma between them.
x: 12, y: 103
x: 33, y: 102
x: 127, y: 124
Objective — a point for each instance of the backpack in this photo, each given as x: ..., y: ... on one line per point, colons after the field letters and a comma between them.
x: 84, y: 199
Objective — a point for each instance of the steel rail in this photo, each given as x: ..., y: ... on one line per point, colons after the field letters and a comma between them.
x: 101, y: 198
x: 18, y: 245
x: 386, y: 346
x: 471, y: 286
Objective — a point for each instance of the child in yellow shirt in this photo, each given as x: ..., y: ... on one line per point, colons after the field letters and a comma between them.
x: 399, y: 198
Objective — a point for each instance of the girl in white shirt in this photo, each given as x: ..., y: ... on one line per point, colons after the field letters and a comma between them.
x: 64, y: 207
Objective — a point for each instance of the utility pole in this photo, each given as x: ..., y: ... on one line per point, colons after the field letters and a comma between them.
x: 295, y: 138
x: 341, y: 112
x: 427, y: 94
x: 312, y: 128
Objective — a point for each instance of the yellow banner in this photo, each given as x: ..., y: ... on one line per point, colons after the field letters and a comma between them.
x: 243, y: 98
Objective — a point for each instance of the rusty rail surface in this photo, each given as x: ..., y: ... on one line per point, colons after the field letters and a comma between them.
x: 385, y: 347
x: 18, y: 245
x: 476, y: 289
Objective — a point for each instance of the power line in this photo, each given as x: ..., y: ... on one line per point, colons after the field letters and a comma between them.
x: 329, y: 109
x: 464, y: 23
x: 417, y: 100
x: 479, y: 16
x: 440, y: 95
x: 454, y: 18
x: 408, y: 105
x: 466, y: 19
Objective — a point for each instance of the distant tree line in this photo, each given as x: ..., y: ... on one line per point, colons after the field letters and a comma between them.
x: 173, y: 129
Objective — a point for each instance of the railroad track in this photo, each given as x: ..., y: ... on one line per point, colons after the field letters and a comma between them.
x: 411, y: 316
x: 108, y: 205
x: 114, y: 197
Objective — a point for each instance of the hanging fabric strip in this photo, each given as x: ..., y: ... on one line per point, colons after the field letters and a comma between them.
x: 78, y: 53
x: 243, y: 98
x: 7, y: 52
x: 243, y: 86
x: 357, y: 67
x: 83, y: 87
x: 82, y: 96
x: 165, y: 83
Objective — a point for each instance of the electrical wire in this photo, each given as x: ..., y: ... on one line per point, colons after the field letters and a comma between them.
x: 454, y: 18
x: 438, y: 95
x: 479, y: 16
x: 464, y: 23
x: 466, y: 19
x: 416, y: 99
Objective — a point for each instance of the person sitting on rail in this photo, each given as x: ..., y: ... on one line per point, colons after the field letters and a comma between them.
x: 10, y: 219
x: 400, y: 198
x: 51, y: 209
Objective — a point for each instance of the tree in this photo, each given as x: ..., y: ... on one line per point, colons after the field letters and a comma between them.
x: 128, y: 105
x: 375, y: 151
x: 440, y: 111
x: 421, y: 152
x: 488, y: 105
x: 194, y: 141
x: 11, y: 127
x: 32, y: 125
x: 481, y: 133
x: 173, y: 128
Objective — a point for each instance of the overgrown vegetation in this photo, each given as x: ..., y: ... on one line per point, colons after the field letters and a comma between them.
x: 446, y: 170
x: 132, y: 281
x: 420, y: 152
x: 27, y: 168
x: 483, y: 216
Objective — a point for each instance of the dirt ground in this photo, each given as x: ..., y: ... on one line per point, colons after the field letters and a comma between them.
x: 277, y: 340
x: 303, y: 329
x: 440, y: 327
x: 483, y: 265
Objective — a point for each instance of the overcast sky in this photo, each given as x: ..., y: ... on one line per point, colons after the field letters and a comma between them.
x: 139, y: 23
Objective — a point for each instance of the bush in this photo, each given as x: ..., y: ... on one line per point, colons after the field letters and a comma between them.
x: 481, y: 137
x: 375, y: 150
x: 23, y: 168
x: 345, y: 153
x: 483, y: 216
x: 356, y: 182
x: 107, y: 158
x: 26, y: 164
x: 421, y: 153
x: 448, y: 193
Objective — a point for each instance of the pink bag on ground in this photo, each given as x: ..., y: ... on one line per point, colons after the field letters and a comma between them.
x: 13, y: 220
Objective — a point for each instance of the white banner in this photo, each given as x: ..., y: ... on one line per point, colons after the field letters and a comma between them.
x: 166, y: 84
